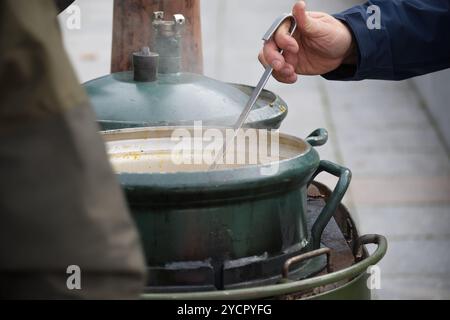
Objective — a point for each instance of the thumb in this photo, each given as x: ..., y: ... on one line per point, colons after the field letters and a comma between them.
x: 306, y: 25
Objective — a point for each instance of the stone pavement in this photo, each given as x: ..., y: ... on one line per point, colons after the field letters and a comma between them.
x: 383, y: 131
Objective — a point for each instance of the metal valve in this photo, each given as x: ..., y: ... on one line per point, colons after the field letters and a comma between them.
x: 179, y: 19
x: 145, y: 65
x: 167, y: 41
x: 168, y: 27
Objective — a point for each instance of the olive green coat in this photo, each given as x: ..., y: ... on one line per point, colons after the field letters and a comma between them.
x: 60, y: 204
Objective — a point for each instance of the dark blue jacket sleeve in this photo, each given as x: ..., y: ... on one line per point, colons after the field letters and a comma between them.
x: 414, y: 39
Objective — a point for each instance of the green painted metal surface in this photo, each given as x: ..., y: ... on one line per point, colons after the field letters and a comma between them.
x: 355, y: 289
x: 230, y: 214
x: 178, y: 99
x: 224, y: 214
x: 344, y: 176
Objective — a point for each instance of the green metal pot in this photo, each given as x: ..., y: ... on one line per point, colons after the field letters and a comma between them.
x: 230, y: 227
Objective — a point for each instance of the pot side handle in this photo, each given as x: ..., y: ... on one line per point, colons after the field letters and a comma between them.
x: 318, y: 137
x: 333, y: 201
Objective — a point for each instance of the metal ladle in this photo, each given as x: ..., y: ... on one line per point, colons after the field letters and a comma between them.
x: 259, y: 87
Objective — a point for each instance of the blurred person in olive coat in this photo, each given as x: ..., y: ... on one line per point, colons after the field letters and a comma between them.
x: 60, y: 204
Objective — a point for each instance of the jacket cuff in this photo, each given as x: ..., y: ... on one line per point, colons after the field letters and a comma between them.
x: 374, y: 53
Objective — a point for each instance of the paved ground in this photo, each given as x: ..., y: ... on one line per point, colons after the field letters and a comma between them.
x: 383, y: 131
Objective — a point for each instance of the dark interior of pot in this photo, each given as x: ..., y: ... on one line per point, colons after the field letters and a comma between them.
x: 172, y: 149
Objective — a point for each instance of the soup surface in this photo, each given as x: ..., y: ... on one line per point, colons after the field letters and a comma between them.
x: 159, y: 150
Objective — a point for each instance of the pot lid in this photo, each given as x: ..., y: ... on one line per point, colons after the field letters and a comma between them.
x: 178, y: 99
x: 157, y: 93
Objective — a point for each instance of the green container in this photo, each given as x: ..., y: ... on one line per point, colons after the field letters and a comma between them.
x: 226, y: 228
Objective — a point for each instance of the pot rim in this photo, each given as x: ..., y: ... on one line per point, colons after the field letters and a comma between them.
x: 220, y: 183
x: 118, y: 132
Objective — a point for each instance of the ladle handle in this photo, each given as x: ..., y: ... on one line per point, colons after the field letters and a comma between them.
x: 259, y: 87
x: 278, y: 22
x: 333, y: 201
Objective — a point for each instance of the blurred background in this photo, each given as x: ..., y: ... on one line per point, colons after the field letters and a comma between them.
x: 394, y: 136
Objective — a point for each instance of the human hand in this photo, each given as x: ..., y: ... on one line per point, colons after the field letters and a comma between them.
x: 320, y: 44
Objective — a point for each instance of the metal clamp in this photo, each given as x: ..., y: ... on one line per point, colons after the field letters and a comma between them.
x: 306, y: 256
